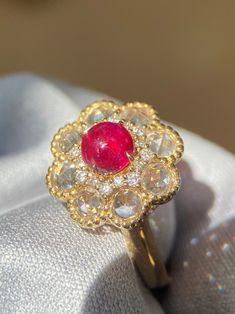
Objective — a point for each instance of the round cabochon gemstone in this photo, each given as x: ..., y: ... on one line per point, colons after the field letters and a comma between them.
x: 106, y: 147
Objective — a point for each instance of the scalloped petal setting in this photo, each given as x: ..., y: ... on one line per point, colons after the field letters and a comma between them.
x: 114, y: 164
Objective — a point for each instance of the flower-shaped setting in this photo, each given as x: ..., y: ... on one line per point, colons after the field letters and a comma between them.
x: 115, y: 164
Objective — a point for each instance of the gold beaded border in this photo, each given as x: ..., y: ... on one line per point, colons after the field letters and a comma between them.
x: 130, y: 222
x: 114, y: 108
x: 149, y: 110
x: 54, y: 190
x: 174, y: 183
x: 98, y: 219
x: 173, y: 134
x: 68, y: 128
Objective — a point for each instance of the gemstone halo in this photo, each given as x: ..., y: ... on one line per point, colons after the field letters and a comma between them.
x: 114, y: 164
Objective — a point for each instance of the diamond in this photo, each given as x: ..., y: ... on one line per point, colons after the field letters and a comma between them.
x: 127, y: 204
x: 146, y: 154
x: 80, y: 163
x: 105, y: 188
x: 67, y: 176
x: 89, y: 201
x: 68, y: 140
x: 139, y: 117
x: 156, y: 179
x: 139, y: 164
x: 140, y: 143
x: 94, y: 182
x: 106, y: 146
x: 162, y: 144
x: 118, y: 181
x: 74, y: 152
x: 99, y: 114
x: 133, y: 178
x: 114, y: 119
x: 138, y: 131
x: 81, y: 176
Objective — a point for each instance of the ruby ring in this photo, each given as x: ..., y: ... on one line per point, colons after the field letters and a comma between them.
x: 114, y: 165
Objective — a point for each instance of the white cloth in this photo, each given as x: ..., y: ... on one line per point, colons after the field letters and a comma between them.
x: 49, y: 265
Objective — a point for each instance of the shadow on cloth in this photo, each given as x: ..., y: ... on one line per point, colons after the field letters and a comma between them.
x: 110, y: 291
x: 202, y: 260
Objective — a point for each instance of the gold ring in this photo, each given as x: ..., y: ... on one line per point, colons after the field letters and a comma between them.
x: 114, y: 165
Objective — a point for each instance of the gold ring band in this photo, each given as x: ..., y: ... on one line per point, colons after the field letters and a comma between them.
x: 144, y: 252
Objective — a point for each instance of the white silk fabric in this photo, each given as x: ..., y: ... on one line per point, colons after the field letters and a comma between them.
x: 49, y: 265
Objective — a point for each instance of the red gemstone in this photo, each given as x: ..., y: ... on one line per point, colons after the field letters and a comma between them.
x: 106, y: 147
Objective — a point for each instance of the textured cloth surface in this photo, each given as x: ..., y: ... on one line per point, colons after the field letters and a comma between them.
x: 49, y: 265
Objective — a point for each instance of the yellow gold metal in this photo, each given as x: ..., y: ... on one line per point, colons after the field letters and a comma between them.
x: 143, y: 251
x: 141, y: 244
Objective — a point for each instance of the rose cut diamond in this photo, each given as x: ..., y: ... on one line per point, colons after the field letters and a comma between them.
x: 89, y: 201
x: 127, y: 204
x: 156, y: 179
x: 99, y: 114
x: 138, y: 116
x: 67, y: 176
x: 162, y: 144
x: 68, y: 140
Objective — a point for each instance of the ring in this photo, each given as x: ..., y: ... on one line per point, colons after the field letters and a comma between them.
x: 114, y: 165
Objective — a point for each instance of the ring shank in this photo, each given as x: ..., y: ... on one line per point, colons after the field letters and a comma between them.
x: 144, y: 253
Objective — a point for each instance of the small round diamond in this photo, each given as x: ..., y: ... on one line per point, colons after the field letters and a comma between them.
x: 127, y: 204
x: 139, y: 164
x: 146, y: 154
x: 138, y: 131
x: 67, y: 176
x: 105, y: 188
x: 133, y: 178
x: 118, y: 181
x: 89, y: 201
x: 162, y: 144
x: 94, y: 182
x: 81, y: 176
x: 68, y: 140
x: 80, y: 163
x: 74, y: 152
x: 114, y: 119
x: 140, y: 143
x: 156, y: 179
